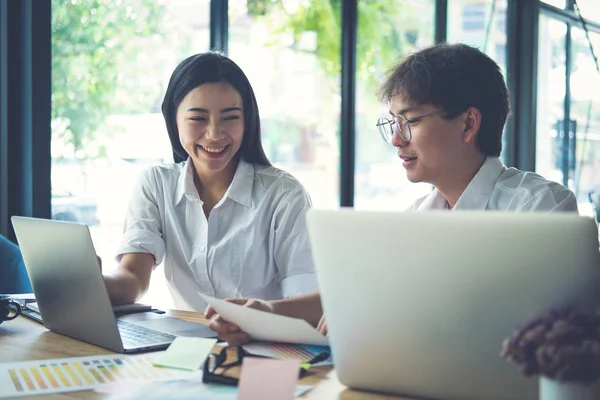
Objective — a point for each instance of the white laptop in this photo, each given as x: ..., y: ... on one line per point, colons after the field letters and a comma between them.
x: 419, y: 303
x: 72, y: 299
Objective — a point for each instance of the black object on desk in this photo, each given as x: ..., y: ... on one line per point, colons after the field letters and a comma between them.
x: 218, y: 361
x: 34, y: 314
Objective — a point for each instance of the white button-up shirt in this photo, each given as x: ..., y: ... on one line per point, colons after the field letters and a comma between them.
x: 498, y: 188
x: 254, y: 242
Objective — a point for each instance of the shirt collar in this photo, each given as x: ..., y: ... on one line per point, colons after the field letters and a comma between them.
x: 434, y: 201
x: 477, y: 194
x: 185, y: 184
x: 240, y: 189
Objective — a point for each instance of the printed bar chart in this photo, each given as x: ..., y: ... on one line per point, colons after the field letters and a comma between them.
x: 282, y: 351
x: 82, y: 373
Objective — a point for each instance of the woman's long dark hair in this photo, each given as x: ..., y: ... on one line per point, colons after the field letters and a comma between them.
x: 213, y: 68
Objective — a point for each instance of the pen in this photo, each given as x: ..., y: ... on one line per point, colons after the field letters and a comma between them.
x: 305, y: 366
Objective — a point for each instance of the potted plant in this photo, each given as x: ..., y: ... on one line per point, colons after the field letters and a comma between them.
x: 563, y: 349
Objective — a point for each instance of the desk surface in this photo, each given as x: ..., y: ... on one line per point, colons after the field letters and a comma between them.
x: 25, y: 340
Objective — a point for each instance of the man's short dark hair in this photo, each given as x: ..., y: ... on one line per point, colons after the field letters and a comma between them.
x: 454, y: 77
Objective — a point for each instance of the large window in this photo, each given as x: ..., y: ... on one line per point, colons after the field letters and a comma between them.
x: 387, y: 31
x: 568, y: 118
x: 111, y: 61
x: 584, y: 145
x: 290, y: 51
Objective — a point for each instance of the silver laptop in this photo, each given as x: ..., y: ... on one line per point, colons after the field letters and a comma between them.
x: 419, y: 303
x: 72, y: 299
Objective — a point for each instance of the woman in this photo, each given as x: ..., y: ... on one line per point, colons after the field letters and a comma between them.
x: 224, y: 221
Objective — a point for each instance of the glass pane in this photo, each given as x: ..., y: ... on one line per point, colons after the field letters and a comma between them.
x: 290, y: 51
x: 550, y: 97
x: 557, y: 3
x: 387, y: 30
x: 590, y: 9
x: 111, y: 61
x: 585, y: 114
x: 481, y: 24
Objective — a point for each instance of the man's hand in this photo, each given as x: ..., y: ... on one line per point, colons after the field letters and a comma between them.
x: 322, y: 325
x: 229, y: 332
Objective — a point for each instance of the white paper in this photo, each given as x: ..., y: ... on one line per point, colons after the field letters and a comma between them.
x: 265, y: 326
x: 177, y: 390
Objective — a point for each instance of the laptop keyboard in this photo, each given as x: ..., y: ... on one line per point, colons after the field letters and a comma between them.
x: 134, y: 335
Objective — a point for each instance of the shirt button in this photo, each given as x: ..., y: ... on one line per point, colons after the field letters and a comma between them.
x: 202, y: 248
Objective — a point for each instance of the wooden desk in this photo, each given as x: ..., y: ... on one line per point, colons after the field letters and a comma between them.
x: 25, y: 340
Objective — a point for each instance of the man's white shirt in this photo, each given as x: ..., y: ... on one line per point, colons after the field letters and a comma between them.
x: 498, y: 188
x: 254, y: 242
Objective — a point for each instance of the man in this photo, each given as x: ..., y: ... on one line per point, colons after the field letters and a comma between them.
x: 448, y: 105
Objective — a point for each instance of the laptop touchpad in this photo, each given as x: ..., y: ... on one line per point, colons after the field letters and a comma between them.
x: 174, y: 326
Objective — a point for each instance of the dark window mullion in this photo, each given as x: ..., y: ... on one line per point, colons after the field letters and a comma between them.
x: 441, y: 21
x: 25, y: 97
x: 567, y: 108
x: 4, y: 118
x: 219, y: 25
x: 40, y: 66
x: 521, y: 70
x: 348, y: 93
x: 570, y: 6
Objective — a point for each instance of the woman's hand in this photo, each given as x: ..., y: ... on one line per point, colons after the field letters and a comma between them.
x: 322, y: 325
x: 229, y: 332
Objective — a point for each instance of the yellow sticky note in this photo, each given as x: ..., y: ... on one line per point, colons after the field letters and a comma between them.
x: 186, y: 353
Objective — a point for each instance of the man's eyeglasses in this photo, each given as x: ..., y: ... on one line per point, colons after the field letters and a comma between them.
x: 399, y: 124
x: 216, y: 365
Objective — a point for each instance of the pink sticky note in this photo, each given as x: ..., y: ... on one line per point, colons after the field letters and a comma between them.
x: 268, y: 379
